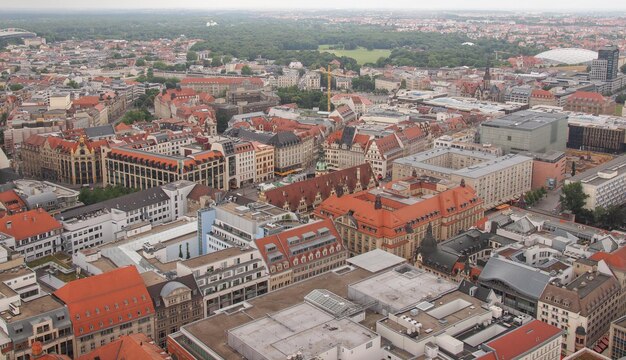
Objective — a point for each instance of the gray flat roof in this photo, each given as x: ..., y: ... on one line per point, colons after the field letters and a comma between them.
x: 403, y: 287
x: 525, y: 120
x: 376, y: 260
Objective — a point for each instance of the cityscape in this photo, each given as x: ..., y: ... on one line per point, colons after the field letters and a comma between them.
x: 350, y: 181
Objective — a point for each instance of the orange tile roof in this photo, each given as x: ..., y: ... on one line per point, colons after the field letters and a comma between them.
x: 86, y: 101
x: 586, y: 95
x: 27, y: 224
x: 12, y: 202
x: 540, y: 93
x: 390, y: 221
x: 130, y: 347
x: 523, y: 339
x: 281, y: 242
x: 102, y: 301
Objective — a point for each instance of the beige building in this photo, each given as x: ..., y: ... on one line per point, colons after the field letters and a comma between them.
x: 264, y: 161
x: 496, y: 179
x: 617, y: 339
x: 386, y: 84
x: 582, y: 308
x: 75, y: 162
x: 139, y: 169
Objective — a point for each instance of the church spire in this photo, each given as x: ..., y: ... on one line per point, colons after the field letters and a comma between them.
x: 429, y: 243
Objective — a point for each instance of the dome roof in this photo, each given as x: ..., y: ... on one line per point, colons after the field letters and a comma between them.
x: 171, y: 286
x: 569, y: 56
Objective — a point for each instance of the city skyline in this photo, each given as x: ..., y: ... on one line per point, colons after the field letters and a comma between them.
x: 446, y: 5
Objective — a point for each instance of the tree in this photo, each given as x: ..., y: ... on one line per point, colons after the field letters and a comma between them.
x: 180, y: 251
x: 192, y: 55
x: 91, y: 196
x: 117, y: 55
x: 188, y: 254
x: 73, y: 84
x: 573, y: 168
x: 133, y: 116
x: 16, y: 87
x: 246, y: 70
x: 623, y: 69
x: 573, y: 198
x: 140, y: 62
x: 403, y: 84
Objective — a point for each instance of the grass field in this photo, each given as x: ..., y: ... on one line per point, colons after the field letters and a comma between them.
x: 361, y: 54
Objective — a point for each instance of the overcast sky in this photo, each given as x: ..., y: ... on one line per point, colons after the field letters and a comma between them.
x: 597, y: 5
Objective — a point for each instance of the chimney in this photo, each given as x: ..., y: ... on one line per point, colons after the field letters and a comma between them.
x: 378, y: 203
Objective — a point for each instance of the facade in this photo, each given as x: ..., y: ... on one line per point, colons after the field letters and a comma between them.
x: 523, y: 131
x: 73, y: 161
x: 496, y: 180
x: 264, y: 161
x: 518, y: 94
x: 379, y: 219
x: 218, y: 85
x: 176, y: 303
x: 590, y: 103
x: 106, y: 306
x: 597, y: 133
x: 140, y: 169
x: 617, y: 339
x: 297, y: 254
x: 583, y: 308
x: 548, y: 169
x: 133, y: 346
x: 390, y: 85
x: 605, y: 184
x: 227, y: 277
x: 33, y: 233
x: 44, y: 319
x: 542, y: 97
x: 303, y: 197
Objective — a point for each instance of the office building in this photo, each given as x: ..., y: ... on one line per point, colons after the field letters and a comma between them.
x: 605, y: 185
x: 217, y: 85
x: 524, y: 131
x: 382, y: 219
x: 496, y: 180
x: 33, y: 233
x: 590, y: 103
x: 617, y: 339
x: 610, y: 54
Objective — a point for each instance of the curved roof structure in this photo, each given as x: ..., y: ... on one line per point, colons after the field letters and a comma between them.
x: 171, y: 286
x: 15, y: 33
x: 569, y: 56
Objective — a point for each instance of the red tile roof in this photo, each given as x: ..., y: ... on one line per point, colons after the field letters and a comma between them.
x: 325, y: 184
x: 27, y: 224
x: 86, y: 101
x: 540, y: 93
x: 134, y: 346
x: 102, y: 301
x: 586, y: 95
x: 12, y: 202
x: 523, y: 339
x: 615, y: 260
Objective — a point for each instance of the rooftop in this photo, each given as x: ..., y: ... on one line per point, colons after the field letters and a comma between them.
x: 602, y: 173
x: 214, y: 336
x: 403, y: 287
x: 525, y: 120
x: 35, y: 307
x: 376, y: 260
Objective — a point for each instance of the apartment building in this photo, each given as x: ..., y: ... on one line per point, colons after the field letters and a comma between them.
x: 264, y: 161
x: 542, y: 97
x: 382, y: 83
x: 589, y: 102
x: 100, y: 223
x: 496, y: 180
x: 302, y: 252
x: 167, y: 102
x: 583, y: 308
x: 605, y: 184
x: 227, y: 277
x: 176, y: 303
x: 533, y: 131
x: 75, y: 161
x: 140, y: 169
x: 33, y: 233
x: 381, y: 219
x: 240, y: 161
x: 44, y: 319
x: 104, y: 307
x: 518, y: 94
x: 215, y: 86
